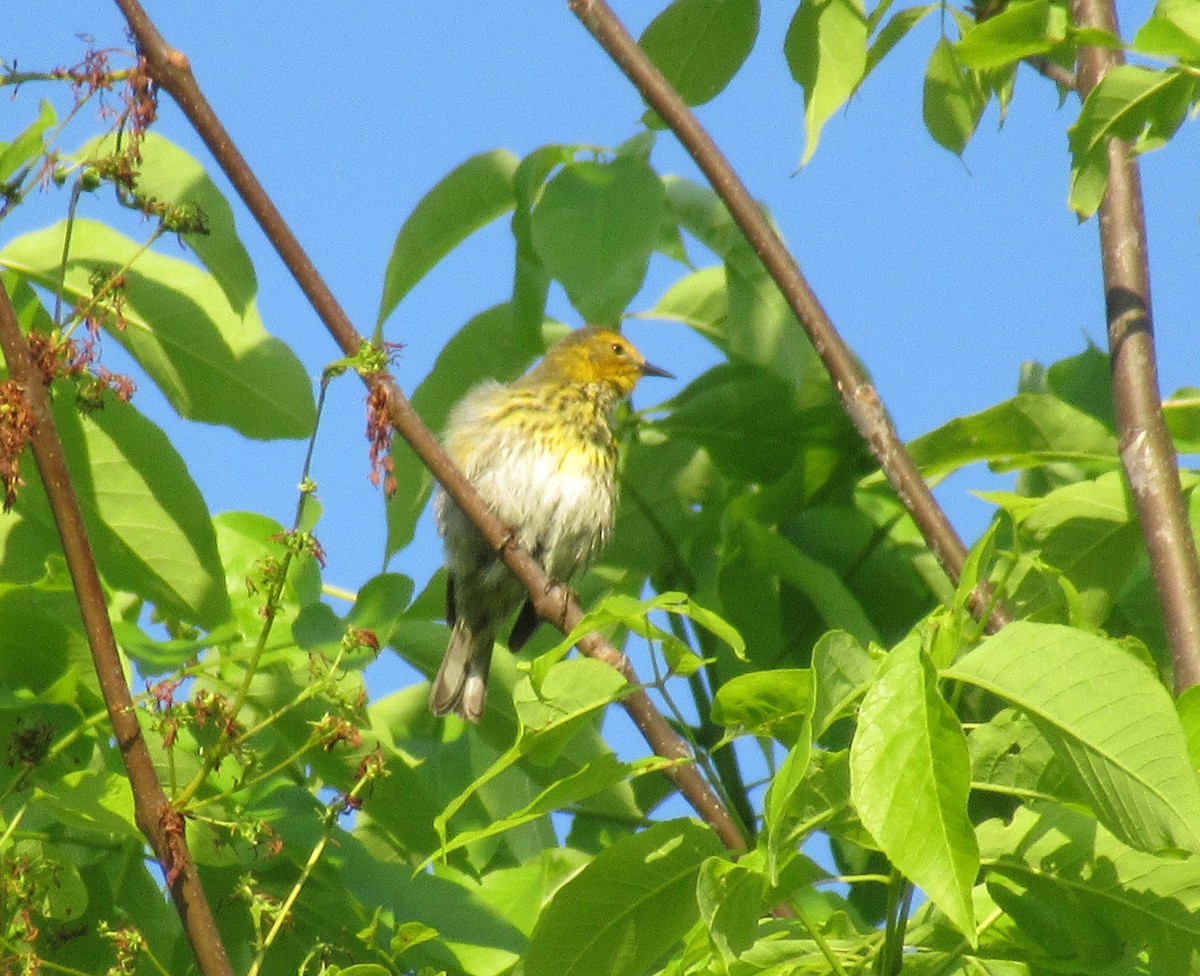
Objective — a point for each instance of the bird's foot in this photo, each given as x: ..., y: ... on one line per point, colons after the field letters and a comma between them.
x: 566, y: 596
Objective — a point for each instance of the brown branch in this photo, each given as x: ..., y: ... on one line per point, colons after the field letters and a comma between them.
x: 859, y: 397
x: 171, y: 71
x: 1147, y: 452
x: 155, y: 816
x: 1055, y: 72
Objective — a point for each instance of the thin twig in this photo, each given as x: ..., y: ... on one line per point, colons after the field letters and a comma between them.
x: 155, y: 816
x: 858, y: 396
x: 171, y: 71
x: 1147, y: 453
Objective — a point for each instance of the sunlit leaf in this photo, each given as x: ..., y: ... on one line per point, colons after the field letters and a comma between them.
x: 627, y: 908
x: 470, y: 196
x: 1108, y: 717
x: 910, y: 779
x: 211, y: 362
x: 826, y: 50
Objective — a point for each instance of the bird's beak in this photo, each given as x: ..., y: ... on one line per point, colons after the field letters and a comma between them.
x: 647, y: 370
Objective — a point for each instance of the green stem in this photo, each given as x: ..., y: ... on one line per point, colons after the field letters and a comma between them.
x: 835, y: 964
x: 891, y: 956
x: 314, y: 857
x: 274, y: 598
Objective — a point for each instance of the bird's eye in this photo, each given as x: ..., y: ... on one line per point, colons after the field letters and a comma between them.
x: 618, y: 349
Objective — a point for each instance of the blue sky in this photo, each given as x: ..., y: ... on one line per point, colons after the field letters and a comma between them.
x: 943, y: 274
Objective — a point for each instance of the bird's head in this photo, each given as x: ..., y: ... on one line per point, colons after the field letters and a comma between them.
x: 595, y: 355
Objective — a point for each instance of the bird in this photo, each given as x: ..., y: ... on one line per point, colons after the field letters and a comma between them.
x: 542, y: 455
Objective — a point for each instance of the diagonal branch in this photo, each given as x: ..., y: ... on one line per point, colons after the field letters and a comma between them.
x: 171, y: 71
x: 161, y: 823
x: 859, y: 397
x: 1147, y: 452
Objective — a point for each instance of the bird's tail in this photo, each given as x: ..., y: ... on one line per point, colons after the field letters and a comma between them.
x: 461, y: 682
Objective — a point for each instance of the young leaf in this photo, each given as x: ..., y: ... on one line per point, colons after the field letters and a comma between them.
x: 910, y: 777
x: 826, y: 50
x: 627, y: 908
x: 1108, y: 717
x: 783, y: 796
x: 600, y: 774
x: 212, y: 363
x: 698, y: 300
x: 470, y: 196
x: 775, y: 703
x: 699, y: 45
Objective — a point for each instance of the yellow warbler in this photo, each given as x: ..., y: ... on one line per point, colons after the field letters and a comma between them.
x: 541, y: 453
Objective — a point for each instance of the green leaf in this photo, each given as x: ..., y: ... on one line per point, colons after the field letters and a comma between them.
x: 1068, y: 863
x: 1173, y: 30
x: 1181, y: 411
x: 821, y: 583
x: 894, y: 31
x: 954, y: 99
x: 634, y: 615
x: 699, y: 45
x: 702, y: 213
x: 1008, y: 753
x: 1188, y: 706
x: 169, y: 174
x: 149, y: 528
x: 627, y: 908
x: 28, y: 145
x: 531, y: 279
x: 910, y: 778
x: 600, y: 774
x: 783, y: 802
x: 842, y: 670
x: 595, y: 228
x: 1132, y: 103
x: 698, y: 300
x: 1018, y: 31
x: 763, y: 330
x: 212, y: 363
x: 1108, y: 717
x: 730, y: 900
x: 48, y: 609
x: 742, y: 415
x: 826, y: 50
x: 467, y: 198
x: 1029, y: 430
x: 1089, y: 531
x: 768, y: 703
x: 1141, y: 105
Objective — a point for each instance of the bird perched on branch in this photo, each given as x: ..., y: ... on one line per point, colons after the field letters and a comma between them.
x: 541, y: 453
